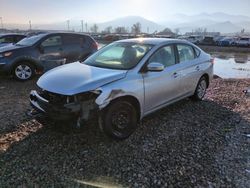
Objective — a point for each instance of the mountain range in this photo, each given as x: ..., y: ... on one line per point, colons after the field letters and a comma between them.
x: 221, y: 22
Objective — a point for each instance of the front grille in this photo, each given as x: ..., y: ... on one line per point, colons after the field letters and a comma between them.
x: 53, y: 98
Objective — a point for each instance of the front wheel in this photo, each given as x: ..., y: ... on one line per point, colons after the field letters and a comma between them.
x: 23, y: 71
x: 119, y: 120
x: 200, y: 90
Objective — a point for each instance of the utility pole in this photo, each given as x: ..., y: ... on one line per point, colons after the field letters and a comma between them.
x: 86, y: 27
x: 68, y: 24
x: 1, y: 18
x: 82, y: 25
x: 30, y: 25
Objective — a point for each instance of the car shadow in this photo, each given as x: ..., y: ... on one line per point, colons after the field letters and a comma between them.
x: 178, y: 145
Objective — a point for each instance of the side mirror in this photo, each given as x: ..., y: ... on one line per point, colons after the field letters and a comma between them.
x: 155, y: 67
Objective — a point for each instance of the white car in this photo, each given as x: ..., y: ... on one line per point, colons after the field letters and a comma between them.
x: 244, y: 41
x: 123, y: 82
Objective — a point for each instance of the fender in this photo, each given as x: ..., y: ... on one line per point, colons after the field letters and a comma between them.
x: 106, y: 97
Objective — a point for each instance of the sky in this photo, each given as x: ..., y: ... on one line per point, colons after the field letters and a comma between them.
x: 49, y: 11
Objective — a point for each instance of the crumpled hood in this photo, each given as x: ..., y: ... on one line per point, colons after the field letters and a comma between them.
x: 76, y: 78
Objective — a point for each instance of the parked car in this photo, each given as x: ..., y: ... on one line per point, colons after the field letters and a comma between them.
x: 208, y: 41
x: 36, y: 53
x: 243, y: 41
x: 123, y: 82
x: 8, y: 39
x: 195, y: 39
x: 227, y: 41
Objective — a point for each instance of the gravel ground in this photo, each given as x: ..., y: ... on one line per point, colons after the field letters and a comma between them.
x: 188, y: 144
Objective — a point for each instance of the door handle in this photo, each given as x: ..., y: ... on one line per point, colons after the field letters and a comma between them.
x: 197, y: 68
x: 175, y: 75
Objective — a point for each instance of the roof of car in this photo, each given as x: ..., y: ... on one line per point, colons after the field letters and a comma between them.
x: 152, y: 41
x: 46, y: 33
x: 9, y: 34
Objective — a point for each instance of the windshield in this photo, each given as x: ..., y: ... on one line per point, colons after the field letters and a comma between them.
x: 29, y: 41
x: 119, y: 55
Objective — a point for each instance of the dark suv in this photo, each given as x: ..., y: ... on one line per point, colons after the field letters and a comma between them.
x: 41, y: 52
x: 6, y: 39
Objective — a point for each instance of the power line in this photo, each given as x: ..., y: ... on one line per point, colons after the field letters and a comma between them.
x: 30, y: 25
x: 82, y: 24
x: 68, y: 24
x: 86, y: 26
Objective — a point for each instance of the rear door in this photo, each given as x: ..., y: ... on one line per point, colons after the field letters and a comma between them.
x: 72, y: 47
x: 190, y: 68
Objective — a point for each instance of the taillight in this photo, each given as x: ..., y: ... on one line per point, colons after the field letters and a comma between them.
x: 212, y: 61
x: 95, y: 45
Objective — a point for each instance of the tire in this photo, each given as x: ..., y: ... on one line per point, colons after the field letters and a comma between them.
x: 119, y: 120
x: 200, y: 90
x: 23, y: 71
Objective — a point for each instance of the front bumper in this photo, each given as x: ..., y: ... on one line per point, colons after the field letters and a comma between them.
x: 56, y: 112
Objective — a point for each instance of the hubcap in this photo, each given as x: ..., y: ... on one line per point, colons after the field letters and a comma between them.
x: 120, y: 119
x: 201, y: 91
x: 23, y: 72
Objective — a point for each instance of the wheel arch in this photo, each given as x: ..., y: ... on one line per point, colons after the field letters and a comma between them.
x: 131, y: 99
x: 206, y: 76
x: 32, y: 61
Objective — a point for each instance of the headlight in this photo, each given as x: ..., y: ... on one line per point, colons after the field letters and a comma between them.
x: 97, y: 91
x: 5, y: 54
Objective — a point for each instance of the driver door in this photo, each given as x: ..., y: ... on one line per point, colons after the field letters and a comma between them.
x: 162, y: 87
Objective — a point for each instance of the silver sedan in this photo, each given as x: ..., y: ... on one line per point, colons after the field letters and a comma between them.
x: 123, y: 82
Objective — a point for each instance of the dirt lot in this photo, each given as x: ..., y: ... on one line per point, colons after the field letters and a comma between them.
x: 188, y: 144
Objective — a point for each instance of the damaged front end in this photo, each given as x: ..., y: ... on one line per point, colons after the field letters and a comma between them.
x: 81, y: 107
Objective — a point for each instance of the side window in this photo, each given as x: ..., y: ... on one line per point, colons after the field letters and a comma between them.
x: 164, y: 55
x: 186, y: 52
x: 68, y: 39
x: 18, y: 38
x: 7, y: 40
x: 197, y: 52
x: 52, y: 41
x: 82, y: 41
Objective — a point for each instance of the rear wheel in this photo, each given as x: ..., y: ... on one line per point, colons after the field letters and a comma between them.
x: 200, y: 90
x: 119, y: 120
x: 23, y: 71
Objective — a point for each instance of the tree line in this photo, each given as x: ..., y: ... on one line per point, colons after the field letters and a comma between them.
x: 135, y: 29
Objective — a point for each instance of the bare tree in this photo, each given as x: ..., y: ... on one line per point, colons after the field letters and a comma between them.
x: 242, y: 31
x: 94, y: 28
x: 136, y: 28
x: 176, y: 31
x: 120, y: 30
x: 108, y: 30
